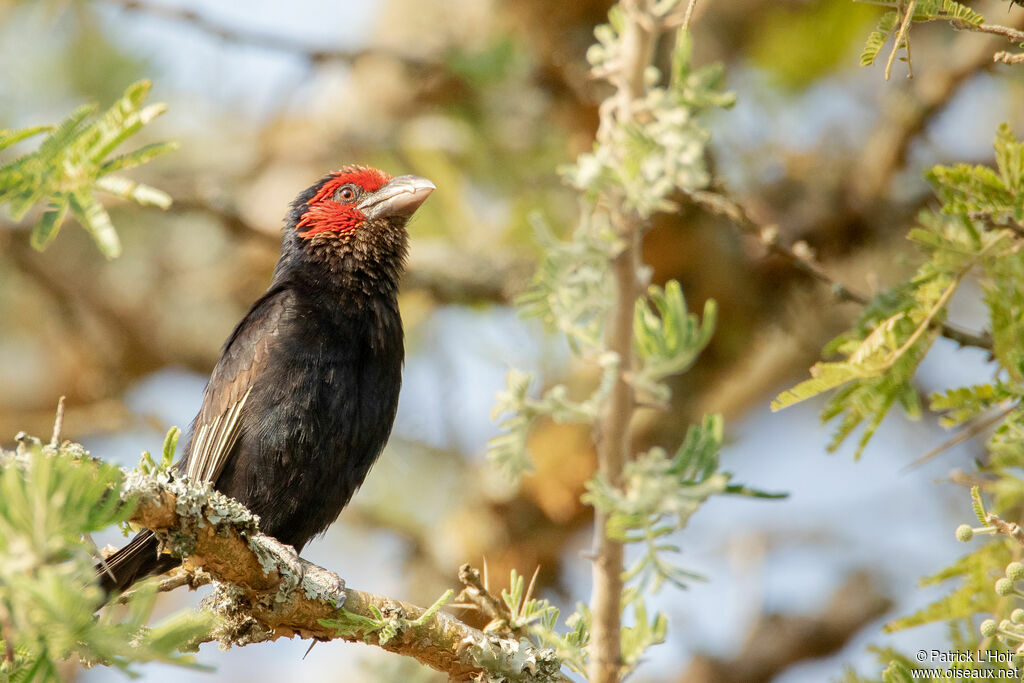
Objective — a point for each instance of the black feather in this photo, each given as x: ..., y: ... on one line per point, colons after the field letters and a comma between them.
x: 318, y: 361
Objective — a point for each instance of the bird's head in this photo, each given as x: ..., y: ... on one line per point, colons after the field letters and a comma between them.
x: 355, y: 219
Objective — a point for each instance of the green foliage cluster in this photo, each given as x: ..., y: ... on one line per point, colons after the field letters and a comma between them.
x: 637, y: 165
x: 51, y: 497
x: 74, y: 162
x: 977, y: 231
x: 643, y: 160
x: 974, y: 229
x: 923, y: 10
x: 659, y: 496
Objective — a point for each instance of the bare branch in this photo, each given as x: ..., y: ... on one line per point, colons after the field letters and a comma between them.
x: 800, y: 257
x: 777, y: 641
x: 902, y: 36
x: 1008, y: 57
x: 477, y: 593
x: 1012, y: 34
x: 272, y: 593
x: 969, y: 432
x: 267, y: 41
x: 450, y: 275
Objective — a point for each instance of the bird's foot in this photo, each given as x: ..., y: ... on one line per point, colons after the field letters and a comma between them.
x: 282, y: 558
x: 322, y: 584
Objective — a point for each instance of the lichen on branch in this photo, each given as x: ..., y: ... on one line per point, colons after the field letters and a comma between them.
x: 269, y: 592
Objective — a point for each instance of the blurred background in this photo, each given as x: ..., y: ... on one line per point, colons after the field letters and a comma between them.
x: 487, y: 99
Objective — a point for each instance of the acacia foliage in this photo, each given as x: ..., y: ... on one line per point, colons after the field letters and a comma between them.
x: 52, y: 496
x: 74, y: 162
x: 640, y: 166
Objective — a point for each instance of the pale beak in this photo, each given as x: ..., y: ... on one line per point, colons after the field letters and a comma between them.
x: 400, y: 197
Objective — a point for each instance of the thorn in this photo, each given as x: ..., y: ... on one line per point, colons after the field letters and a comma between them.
x: 529, y: 589
x: 311, y: 645
x: 58, y: 423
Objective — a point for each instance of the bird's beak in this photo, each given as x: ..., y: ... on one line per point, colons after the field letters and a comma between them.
x: 400, y: 197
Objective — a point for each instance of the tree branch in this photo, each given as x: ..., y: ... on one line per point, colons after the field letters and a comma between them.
x: 1008, y: 32
x: 775, y: 642
x: 802, y: 258
x: 269, y: 592
x: 614, y: 447
x: 266, y: 41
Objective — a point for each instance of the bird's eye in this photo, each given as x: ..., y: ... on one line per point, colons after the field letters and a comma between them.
x: 346, y: 193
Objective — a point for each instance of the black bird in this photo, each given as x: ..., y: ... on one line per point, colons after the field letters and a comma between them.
x: 304, y: 395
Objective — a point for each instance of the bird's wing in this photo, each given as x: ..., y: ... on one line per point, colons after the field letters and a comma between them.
x: 219, y: 424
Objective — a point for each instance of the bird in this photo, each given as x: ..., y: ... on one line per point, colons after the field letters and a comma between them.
x: 303, y: 398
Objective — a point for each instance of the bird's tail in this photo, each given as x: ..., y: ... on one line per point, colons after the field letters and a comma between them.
x: 137, y: 560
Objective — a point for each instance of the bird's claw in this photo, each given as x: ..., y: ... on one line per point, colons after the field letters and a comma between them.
x: 277, y: 556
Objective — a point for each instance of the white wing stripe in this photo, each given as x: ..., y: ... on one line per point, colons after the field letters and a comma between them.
x: 213, y: 443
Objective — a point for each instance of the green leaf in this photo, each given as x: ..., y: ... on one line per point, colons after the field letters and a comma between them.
x: 71, y: 164
x: 974, y: 594
x: 667, y: 337
x: 878, y: 37
x: 824, y: 376
x: 140, y: 156
x: 49, y: 223
x: 10, y: 137
x: 122, y: 120
x: 50, y: 497
x: 95, y: 219
x: 963, y: 403
x: 137, y: 192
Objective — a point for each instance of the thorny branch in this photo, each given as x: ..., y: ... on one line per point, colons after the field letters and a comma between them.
x: 1012, y: 34
x: 269, y: 592
x: 476, y: 593
x: 801, y: 257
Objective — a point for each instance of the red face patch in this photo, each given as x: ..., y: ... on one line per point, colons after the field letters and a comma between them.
x: 324, y: 214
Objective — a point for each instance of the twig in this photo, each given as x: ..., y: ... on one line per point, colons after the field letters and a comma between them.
x: 902, y: 35
x: 1008, y: 32
x: 1011, y: 529
x: 1008, y: 57
x: 963, y: 435
x: 276, y: 594
x: 689, y: 14
x: 477, y: 593
x: 176, y: 579
x: 266, y: 41
x: 192, y: 579
x: 801, y: 258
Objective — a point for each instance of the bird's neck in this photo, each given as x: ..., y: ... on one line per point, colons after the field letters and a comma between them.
x: 357, y: 284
